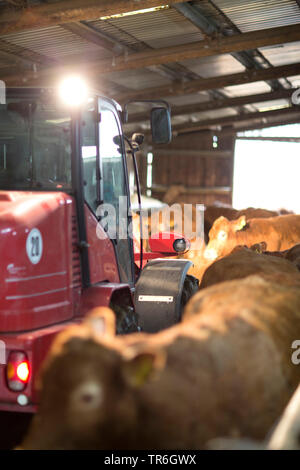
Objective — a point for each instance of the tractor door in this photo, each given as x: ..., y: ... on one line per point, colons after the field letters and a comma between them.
x: 114, y: 189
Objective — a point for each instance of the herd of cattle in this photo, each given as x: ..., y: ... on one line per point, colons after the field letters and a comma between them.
x: 225, y: 371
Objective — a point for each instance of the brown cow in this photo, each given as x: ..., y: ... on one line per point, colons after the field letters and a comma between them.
x: 225, y: 371
x: 284, y: 437
x: 293, y: 254
x: 267, y: 304
x: 279, y: 233
x: 195, y: 255
x: 212, y: 213
x: 243, y: 262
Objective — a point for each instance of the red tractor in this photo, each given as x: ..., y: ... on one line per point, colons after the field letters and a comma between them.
x: 61, y: 255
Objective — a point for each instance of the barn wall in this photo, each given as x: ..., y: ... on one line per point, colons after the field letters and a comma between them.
x: 190, y: 160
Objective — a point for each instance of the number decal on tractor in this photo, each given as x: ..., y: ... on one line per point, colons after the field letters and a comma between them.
x: 34, y: 246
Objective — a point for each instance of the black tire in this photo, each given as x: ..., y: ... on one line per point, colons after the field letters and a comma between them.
x: 190, y: 287
x: 126, y: 319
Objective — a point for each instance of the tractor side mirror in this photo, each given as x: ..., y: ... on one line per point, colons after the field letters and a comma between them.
x: 169, y: 243
x: 161, y: 125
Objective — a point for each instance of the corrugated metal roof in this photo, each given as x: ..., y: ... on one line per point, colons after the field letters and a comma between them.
x: 251, y: 15
x: 270, y: 104
x: 188, y: 99
x: 247, y: 89
x: 211, y: 12
x: 156, y: 29
x: 203, y: 116
x: 283, y: 53
x: 110, y: 28
x: 55, y: 42
x: 215, y: 114
x: 214, y: 66
x: 137, y: 79
x: 7, y: 61
x: 295, y: 81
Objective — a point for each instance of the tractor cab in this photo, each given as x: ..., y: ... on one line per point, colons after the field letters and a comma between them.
x: 48, y: 146
x: 65, y: 230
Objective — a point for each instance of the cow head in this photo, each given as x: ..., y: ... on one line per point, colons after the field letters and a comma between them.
x: 89, y: 390
x: 222, y: 236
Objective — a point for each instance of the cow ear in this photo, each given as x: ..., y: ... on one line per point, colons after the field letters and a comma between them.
x: 222, y: 219
x: 240, y: 223
x: 101, y: 322
x: 142, y: 367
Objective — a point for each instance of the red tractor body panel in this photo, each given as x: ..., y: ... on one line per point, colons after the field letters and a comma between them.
x: 41, y: 291
x: 36, y: 345
x: 102, y: 260
x: 33, y: 294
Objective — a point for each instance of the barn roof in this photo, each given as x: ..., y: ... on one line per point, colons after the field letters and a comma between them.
x: 222, y: 64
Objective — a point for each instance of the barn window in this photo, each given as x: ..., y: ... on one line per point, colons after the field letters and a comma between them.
x: 149, y: 173
x: 266, y: 169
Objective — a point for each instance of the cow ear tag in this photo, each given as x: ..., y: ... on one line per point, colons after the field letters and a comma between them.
x: 143, y: 367
x: 240, y: 223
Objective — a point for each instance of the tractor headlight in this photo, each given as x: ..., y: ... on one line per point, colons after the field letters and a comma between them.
x: 180, y: 245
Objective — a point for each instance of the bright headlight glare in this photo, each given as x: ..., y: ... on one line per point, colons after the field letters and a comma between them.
x: 73, y: 91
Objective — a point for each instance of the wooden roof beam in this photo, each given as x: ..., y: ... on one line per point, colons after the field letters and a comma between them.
x: 257, y: 124
x: 205, y: 48
x: 87, y: 33
x: 219, y: 104
x: 230, y: 130
x: 212, y: 83
x: 49, y: 77
x: 209, y: 27
x: 66, y: 11
x: 229, y: 120
x: 178, y: 53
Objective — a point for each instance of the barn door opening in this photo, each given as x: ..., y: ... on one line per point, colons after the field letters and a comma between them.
x: 267, y: 169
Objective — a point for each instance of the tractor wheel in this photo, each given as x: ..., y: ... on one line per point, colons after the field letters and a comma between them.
x: 190, y: 287
x: 126, y: 319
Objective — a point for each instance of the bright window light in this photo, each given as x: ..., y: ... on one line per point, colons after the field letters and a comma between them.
x: 149, y: 158
x: 149, y: 174
x: 89, y: 151
x: 290, y: 130
x: 149, y: 171
x: 266, y: 174
x: 131, y: 182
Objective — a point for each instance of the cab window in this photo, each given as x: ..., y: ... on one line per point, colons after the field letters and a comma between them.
x: 89, y: 158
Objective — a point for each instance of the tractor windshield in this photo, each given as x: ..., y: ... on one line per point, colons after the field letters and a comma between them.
x: 35, y: 143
